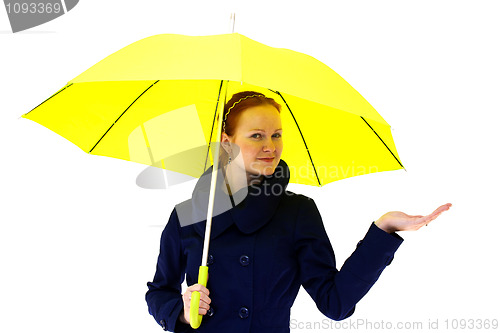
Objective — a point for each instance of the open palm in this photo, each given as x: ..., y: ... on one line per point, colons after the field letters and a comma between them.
x: 399, y: 221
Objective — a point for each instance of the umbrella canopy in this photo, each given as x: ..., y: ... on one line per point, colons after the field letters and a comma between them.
x: 157, y: 98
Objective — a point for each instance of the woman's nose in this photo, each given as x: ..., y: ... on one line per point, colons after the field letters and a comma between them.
x: 269, y: 145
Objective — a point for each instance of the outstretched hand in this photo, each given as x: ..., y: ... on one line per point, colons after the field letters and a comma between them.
x: 399, y: 221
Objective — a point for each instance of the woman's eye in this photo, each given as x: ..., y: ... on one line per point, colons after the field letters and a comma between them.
x: 256, y: 136
x: 277, y: 135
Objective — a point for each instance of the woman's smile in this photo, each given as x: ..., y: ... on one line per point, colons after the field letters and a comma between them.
x: 267, y: 160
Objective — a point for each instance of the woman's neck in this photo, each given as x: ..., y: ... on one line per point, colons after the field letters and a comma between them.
x: 238, y: 179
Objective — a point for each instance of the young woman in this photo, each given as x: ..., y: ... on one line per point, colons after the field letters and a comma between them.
x: 267, y: 244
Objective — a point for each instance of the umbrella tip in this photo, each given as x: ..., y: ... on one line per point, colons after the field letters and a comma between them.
x: 232, y: 19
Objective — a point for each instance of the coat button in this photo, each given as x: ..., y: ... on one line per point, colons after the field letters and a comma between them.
x: 243, y: 313
x: 163, y: 325
x: 244, y: 260
x: 210, y: 312
x: 210, y: 259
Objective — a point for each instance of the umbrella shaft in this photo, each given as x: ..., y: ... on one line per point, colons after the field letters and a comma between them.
x: 213, y: 184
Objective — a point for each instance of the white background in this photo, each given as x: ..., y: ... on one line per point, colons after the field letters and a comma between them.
x: 79, y: 240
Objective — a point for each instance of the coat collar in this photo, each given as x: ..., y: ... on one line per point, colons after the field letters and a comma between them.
x: 254, y: 207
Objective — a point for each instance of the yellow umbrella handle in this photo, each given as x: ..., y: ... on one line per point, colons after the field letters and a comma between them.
x: 194, y: 317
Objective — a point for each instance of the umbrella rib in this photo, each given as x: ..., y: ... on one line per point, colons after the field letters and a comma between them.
x: 383, y: 142
x: 213, y: 124
x: 123, y: 114
x: 304, y: 140
x: 69, y: 85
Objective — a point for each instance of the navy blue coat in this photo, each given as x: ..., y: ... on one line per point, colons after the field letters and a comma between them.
x: 261, y: 252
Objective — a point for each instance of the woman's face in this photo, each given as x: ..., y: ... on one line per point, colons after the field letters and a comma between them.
x: 258, y: 137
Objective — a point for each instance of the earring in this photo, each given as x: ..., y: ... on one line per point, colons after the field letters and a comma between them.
x: 229, y: 162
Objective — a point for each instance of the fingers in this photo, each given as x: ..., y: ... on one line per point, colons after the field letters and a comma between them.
x: 432, y: 216
x: 427, y: 219
x: 205, y: 301
x: 199, y: 287
x: 439, y: 210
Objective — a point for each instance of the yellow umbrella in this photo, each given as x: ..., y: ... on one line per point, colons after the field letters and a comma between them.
x: 160, y: 96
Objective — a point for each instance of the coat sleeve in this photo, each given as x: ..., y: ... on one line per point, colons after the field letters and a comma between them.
x: 337, y: 292
x: 164, y: 297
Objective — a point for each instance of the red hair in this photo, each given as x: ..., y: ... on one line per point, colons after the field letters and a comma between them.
x: 239, y: 103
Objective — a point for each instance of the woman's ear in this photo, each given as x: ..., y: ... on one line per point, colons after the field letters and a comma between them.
x: 226, y: 143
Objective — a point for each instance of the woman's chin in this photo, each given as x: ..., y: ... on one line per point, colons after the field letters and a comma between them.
x: 266, y: 170
x: 258, y: 169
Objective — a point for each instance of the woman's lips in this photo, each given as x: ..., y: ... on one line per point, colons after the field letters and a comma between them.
x: 269, y: 160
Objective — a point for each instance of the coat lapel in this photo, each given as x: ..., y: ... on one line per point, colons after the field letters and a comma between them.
x: 255, y: 204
